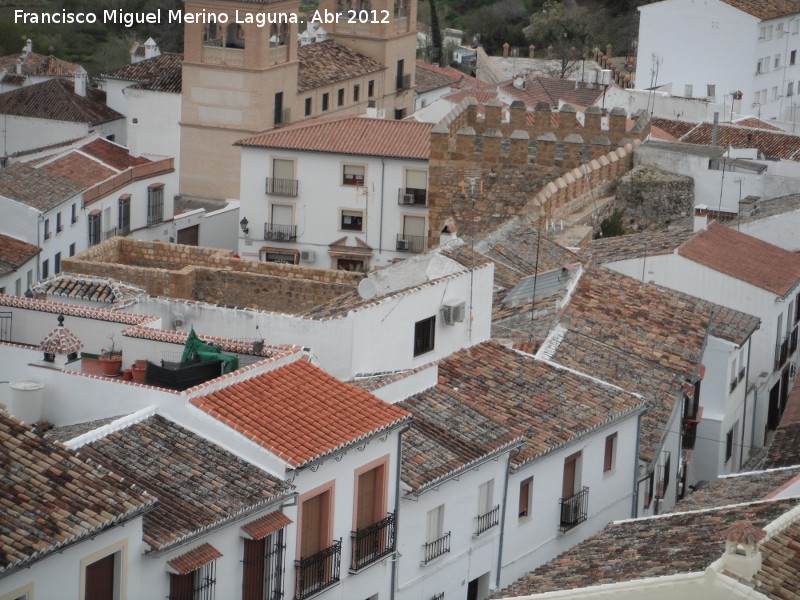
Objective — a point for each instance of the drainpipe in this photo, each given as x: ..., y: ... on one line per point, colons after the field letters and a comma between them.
x: 396, y: 556
x: 744, y: 411
x: 380, y: 224
x: 636, y: 482
x: 503, y: 520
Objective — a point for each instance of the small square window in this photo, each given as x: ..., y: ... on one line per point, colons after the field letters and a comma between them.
x: 352, y: 220
x: 353, y: 175
x: 424, y: 335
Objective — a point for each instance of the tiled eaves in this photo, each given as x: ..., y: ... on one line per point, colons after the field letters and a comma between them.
x: 70, y: 310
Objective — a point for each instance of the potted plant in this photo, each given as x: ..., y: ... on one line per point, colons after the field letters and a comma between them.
x: 110, y: 359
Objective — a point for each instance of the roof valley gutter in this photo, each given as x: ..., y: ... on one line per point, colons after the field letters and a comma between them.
x: 276, y: 502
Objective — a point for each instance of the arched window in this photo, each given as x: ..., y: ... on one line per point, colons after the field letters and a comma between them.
x: 234, y: 36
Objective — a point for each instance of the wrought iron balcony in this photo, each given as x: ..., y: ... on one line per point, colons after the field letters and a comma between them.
x: 410, y: 243
x: 793, y: 340
x: 412, y: 197
x: 781, y: 353
x: 437, y: 548
x: 281, y: 187
x: 318, y: 571
x: 487, y: 521
x: 280, y: 233
x: 372, y: 543
x: 109, y: 233
x: 574, y: 509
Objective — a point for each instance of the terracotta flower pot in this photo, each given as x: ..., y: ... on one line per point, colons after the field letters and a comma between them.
x: 127, y: 374
x: 110, y: 365
x: 140, y: 363
x: 138, y: 374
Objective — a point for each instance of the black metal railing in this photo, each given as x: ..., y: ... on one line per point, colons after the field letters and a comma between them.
x: 281, y: 187
x: 734, y: 383
x: 781, y: 353
x: 403, y: 82
x: 412, y: 197
x: 410, y: 243
x: 741, y: 373
x: 439, y: 596
x: 124, y: 229
x: 318, y: 571
x: 197, y: 585
x: 793, y: 340
x: 487, y: 520
x: 436, y: 548
x: 59, y: 228
x: 574, y: 509
x: 109, y: 233
x: 47, y: 235
x: 372, y: 543
x: 279, y: 233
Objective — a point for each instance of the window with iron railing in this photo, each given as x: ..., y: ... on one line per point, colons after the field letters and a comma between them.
x: 262, y: 568
x: 94, y: 229
x: 436, y: 548
x: 195, y: 585
x: 574, y: 509
x: 781, y: 353
x: 318, y: 571
x: 124, y: 215
x: 282, y: 187
x: 155, y: 204
x: 488, y: 520
x: 793, y: 340
x: 372, y: 543
x: 275, y: 232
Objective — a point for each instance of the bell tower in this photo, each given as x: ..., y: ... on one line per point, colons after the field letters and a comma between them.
x: 386, y: 31
x: 239, y: 79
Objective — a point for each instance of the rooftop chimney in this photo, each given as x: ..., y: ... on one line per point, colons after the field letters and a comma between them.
x: 700, y: 217
x: 28, y: 49
x: 151, y: 49
x: 80, y: 81
x: 715, y: 129
x: 742, y: 556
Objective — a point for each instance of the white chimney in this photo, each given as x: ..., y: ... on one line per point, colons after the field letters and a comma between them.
x: 28, y: 49
x: 700, y: 217
x: 19, y: 65
x: 742, y: 556
x: 151, y: 49
x: 80, y: 81
x: 321, y: 34
x: 26, y: 401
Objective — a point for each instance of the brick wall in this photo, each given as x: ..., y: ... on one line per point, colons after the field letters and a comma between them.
x: 513, y: 160
x: 211, y: 275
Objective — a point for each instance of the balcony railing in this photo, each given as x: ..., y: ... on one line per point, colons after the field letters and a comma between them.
x: 412, y: 197
x: 410, y: 243
x: 437, y: 548
x: 318, y: 571
x: 280, y: 233
x: 59, y: 228
x: 47, y: 235
x: 124, y: 229
x: 109, y: 233
x: 215, y: 55
x: 574, y: 510
x: 372, y: 543
x: 781, y: 353
x: 487, y: 521
x: 403, y: 82
x: 281, y: 187
x: 793, y: 340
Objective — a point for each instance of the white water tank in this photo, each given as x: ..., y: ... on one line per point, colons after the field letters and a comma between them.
x: 26, y: 400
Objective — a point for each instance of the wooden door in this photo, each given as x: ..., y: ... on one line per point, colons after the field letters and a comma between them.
x: 100, y: 579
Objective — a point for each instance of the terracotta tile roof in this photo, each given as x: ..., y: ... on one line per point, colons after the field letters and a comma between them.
x: 113, y: 155
x: 263, y: 526
x: 770, y: 208
x: 38, y: 189
x: 299, y: 412
x: 784, y: 450
x: 38, y: 64
x: 755, y: 123
x: 766, y: 9
x: 194, y: 559
x: 644, y: 320
x: 197, y: 483
x: 488, y: 393
x: 745, y: 258
x: 779, y: 577
x: 60, y: 341
x: 432, y: 77
x: 78, y: 168
x: 50, y: 498
x: 770, y: 143
x: 12, y: 78
x: 94, y: 289
x: 658, y: 386
x: 552, y: 90
x: 55, y: 99
x: 623, y: 247
x: 359, y: 136
x: 158, y: 74
x: 325, y: 63
x: 743, y: 487
x: 650, y: 547
x: 481, y: 95
x: 14, y: 253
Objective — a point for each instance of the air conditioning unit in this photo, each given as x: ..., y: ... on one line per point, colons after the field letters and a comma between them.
x: 453, y: 313
x: 307, y: 256
x: 403, y: 245
x: 407, y: 199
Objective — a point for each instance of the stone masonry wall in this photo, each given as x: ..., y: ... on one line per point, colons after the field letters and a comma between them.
x: 211, y: 275
x: 511, y: 161
x: 653, y: 199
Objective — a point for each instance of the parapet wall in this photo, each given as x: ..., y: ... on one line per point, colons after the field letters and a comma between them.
x: 212, y: 275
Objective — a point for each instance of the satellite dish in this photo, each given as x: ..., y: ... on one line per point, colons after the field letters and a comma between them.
x: 367, y: 289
